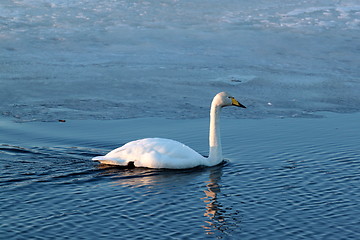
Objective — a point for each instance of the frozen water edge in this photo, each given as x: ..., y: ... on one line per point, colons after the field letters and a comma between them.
x: 153, y: 91
x: 93, y: 86
x: 282, y: 59
x: 114, y: 90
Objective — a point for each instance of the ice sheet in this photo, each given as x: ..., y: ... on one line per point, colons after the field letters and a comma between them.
x: 122, y: 59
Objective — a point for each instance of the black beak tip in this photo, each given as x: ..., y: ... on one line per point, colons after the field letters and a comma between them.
x: 242, y: 106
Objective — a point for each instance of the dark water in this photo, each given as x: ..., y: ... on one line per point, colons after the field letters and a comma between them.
x: 283, y: 179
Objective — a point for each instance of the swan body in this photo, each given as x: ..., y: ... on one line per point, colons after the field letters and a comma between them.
x: 154, y: 153
x: 171, y: 154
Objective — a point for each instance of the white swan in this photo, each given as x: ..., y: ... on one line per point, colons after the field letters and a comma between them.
x: 167, y: 153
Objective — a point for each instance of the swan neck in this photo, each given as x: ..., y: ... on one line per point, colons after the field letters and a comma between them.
x: 215, y: 151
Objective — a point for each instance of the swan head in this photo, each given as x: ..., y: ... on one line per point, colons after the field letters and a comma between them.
x: 224, y: 99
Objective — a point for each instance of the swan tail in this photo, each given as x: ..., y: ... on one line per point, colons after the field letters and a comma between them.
x: 110, y: 161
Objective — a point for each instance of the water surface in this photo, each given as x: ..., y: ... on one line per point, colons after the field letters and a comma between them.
x: 283, y: 178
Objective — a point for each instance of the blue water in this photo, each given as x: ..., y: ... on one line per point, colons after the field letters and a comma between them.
x: 282, y: 179
x: 116, y: 71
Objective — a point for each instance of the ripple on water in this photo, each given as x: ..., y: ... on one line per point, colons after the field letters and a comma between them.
x: 279, y: 183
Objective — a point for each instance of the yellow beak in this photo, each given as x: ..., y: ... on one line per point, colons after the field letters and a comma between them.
x: 236, y: 103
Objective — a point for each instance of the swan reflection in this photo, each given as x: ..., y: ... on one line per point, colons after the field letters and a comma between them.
x: 140, y: 177
x: 216, y: 219
x: 214, y: 210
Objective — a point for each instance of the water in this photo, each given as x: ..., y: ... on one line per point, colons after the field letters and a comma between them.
x: 284, y: 178
x: 150, y: 69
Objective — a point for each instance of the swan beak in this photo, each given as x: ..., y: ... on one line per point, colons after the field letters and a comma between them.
x: 235, y: 102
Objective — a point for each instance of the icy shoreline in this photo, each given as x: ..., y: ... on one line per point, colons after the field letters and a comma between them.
x: 120, y: 59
